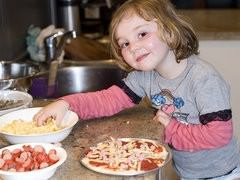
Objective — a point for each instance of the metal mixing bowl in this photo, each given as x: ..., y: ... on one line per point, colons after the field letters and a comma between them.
x: 16, y: 75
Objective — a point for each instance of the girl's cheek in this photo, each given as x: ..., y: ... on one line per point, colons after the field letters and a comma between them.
x: 127, y: 58
x: 125, y: 53
x: 151, y: 42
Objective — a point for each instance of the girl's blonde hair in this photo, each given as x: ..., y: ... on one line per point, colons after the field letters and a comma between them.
x: 180, y: 38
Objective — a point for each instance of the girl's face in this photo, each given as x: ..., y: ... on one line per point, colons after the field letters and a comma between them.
x: 140, y: 44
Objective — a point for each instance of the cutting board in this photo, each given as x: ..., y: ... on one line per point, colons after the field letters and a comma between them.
x: 82, y: 48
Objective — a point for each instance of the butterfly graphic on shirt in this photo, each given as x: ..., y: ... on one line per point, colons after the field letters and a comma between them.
x: 170, y: 105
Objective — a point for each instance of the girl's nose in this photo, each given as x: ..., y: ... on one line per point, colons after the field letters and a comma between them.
x: 134, y: 47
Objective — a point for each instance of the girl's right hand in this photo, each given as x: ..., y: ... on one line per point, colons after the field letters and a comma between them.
x: 162, y: 117
x: 56, y: 110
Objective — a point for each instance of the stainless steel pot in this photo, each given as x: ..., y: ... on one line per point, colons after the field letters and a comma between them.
x: 16, y: 75
x: 87, y: 76
x: 78, y: 76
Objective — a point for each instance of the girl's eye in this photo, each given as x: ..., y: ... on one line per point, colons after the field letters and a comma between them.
x: 123, y: 45
x: 141, y: 35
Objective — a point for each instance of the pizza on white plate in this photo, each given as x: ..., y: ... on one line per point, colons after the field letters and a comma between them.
x: 126, y: 156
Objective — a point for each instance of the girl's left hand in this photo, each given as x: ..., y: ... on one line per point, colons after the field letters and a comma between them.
x: 162, y: 117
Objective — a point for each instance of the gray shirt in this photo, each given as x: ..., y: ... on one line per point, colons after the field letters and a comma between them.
x: 198, y: 90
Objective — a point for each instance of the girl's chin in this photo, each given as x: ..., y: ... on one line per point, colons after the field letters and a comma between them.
x: 144, y: 69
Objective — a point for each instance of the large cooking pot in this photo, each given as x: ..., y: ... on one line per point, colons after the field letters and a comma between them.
x: 78, y: 76
x: 16, y: 75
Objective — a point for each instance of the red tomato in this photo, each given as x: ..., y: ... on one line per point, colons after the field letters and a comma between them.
x: 28, y: 164
x: 16, y: 153
x: 6, y: 151
x: 43, y: 165
x: 36, y: 165
x: 19, y: 168
x: 53, y: 158
x: 2, y: 162
x: 5, y: 167
x: 41, y: 157
x: 27, y: 148
x: 52, y: 151
x: 7, y: 156
x: 39, y: 149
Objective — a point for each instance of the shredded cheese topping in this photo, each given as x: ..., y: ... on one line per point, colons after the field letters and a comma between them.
x: 21, y: 127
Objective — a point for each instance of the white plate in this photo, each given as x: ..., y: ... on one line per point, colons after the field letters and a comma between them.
x: 131, y: 173
x: 40, y: 174
x: 69, y: 120
x: 15, y: 95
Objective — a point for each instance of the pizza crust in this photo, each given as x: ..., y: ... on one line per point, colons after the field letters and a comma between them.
x: 85, y: 162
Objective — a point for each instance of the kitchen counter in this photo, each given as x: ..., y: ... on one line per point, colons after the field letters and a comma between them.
x: 218, y: 24
x: 135, y: 122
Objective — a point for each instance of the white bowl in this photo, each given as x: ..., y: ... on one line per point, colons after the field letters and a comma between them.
x: 40, y: 174
x: 15, y: 95
x: 69, y: 120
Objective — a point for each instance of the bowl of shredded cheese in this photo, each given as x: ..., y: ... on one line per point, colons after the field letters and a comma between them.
x: 19, y: 127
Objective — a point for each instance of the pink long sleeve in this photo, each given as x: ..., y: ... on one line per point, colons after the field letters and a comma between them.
x: 99, y: 104
x: 198, y: 137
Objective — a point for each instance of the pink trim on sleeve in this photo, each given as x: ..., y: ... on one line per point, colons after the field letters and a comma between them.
x: 194, y: 137
x: 99, y: 104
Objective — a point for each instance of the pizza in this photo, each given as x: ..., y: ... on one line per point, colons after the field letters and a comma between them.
x: 126, y: 156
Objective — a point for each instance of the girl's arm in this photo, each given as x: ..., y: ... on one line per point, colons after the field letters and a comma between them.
x: 99, y: 104
x: 194, y: 137
x: 212, y: 96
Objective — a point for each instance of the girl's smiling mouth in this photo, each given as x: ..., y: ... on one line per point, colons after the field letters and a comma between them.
x: 141, y: 57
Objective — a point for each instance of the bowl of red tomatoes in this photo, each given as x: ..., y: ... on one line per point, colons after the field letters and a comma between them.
x: 30, y: 161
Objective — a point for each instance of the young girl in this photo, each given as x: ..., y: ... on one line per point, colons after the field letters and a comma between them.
x: 191, y: 97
